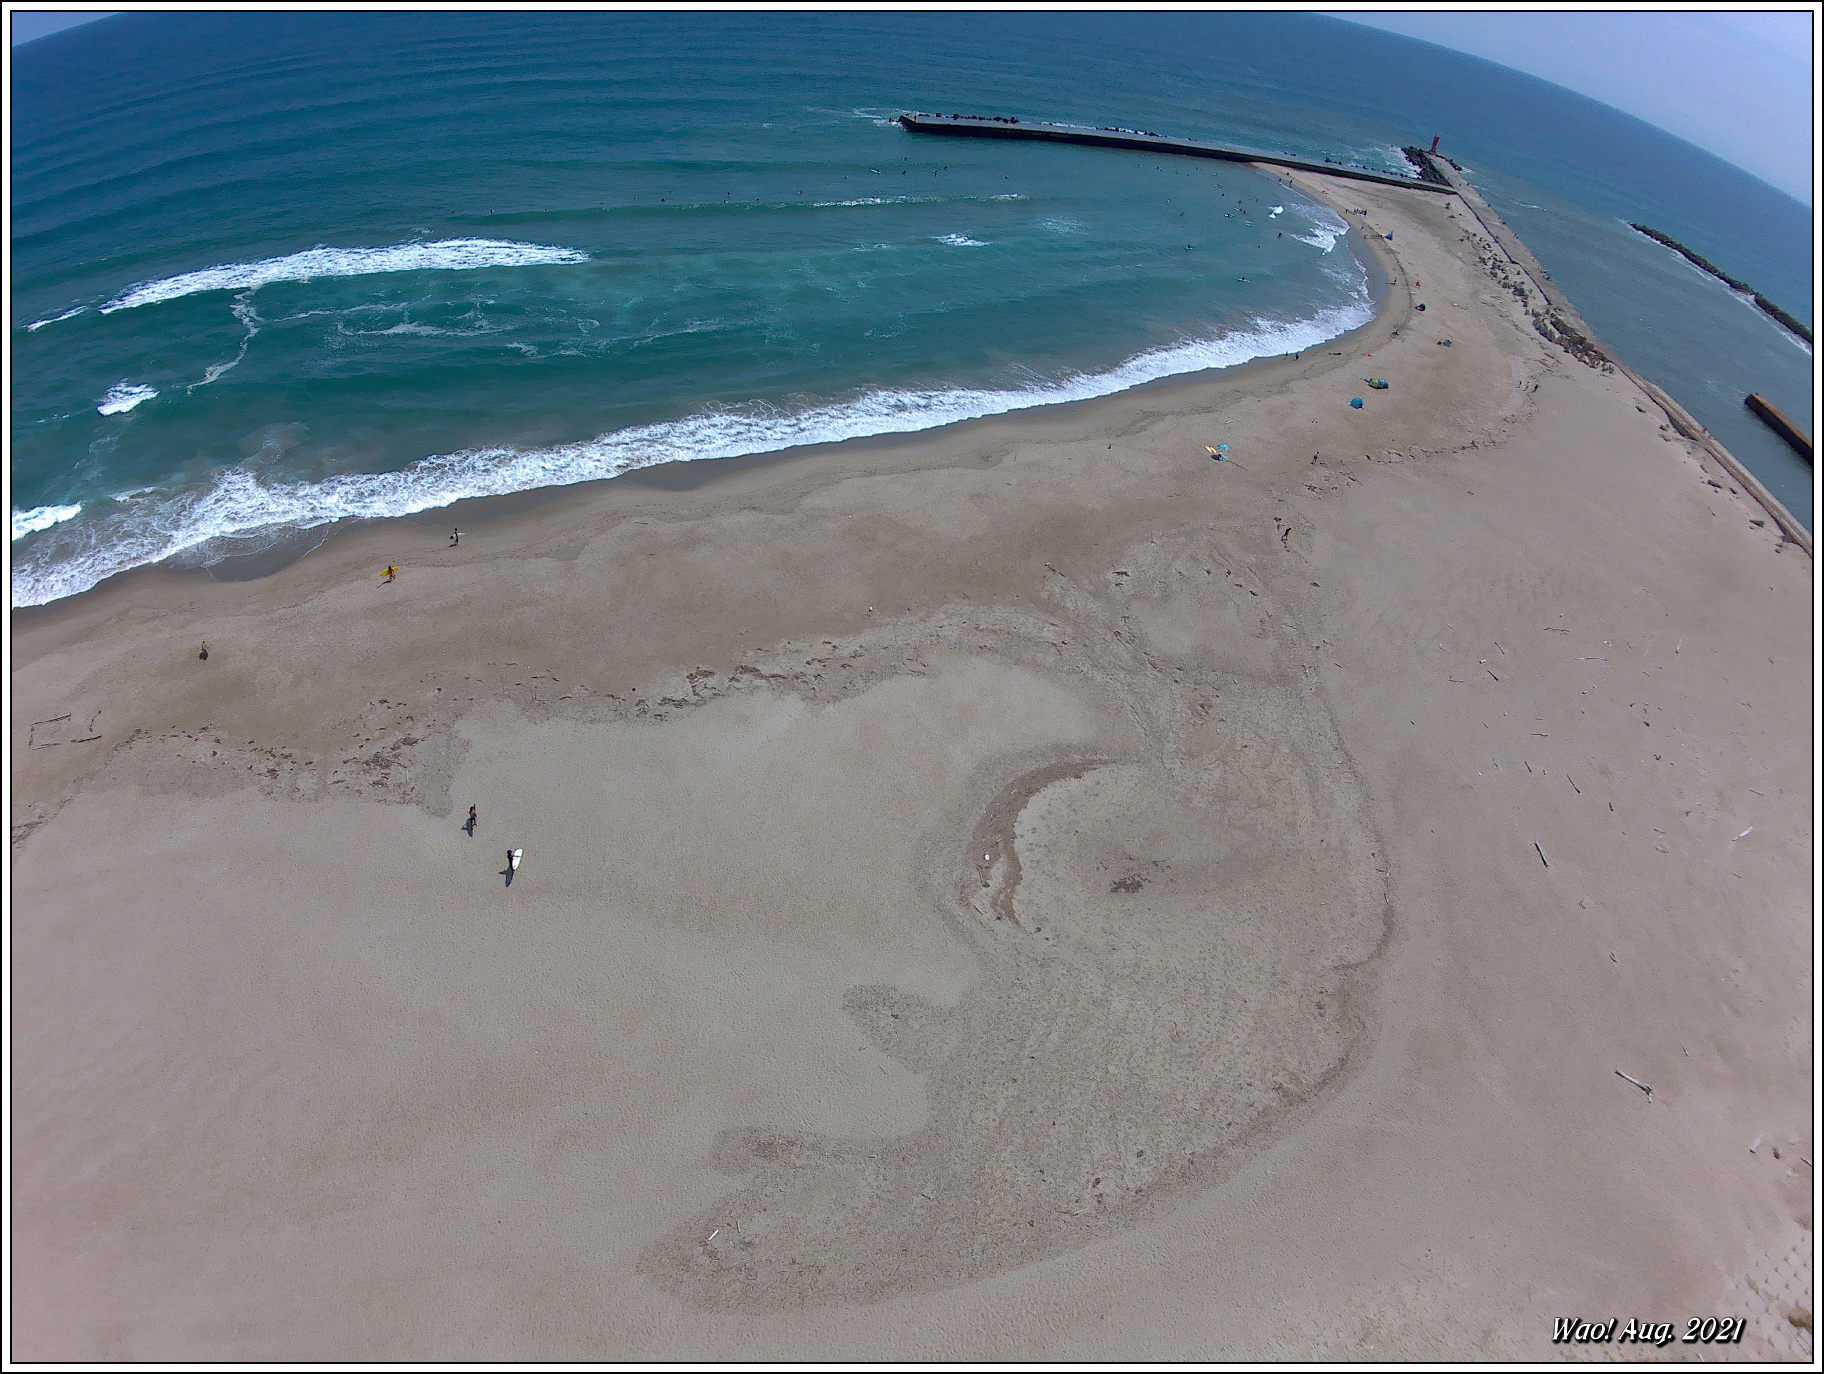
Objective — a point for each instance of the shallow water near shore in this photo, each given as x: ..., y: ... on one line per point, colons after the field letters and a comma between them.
x: 276, y: 271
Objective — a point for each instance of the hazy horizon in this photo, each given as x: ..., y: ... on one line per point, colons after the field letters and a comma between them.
x: 1756, y: 69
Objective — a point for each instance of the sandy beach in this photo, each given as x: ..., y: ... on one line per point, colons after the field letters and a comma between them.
x: 1024, y: 891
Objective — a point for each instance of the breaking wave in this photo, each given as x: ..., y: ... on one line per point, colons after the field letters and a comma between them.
x: 1326, y: 228
x: 444, y: 255
x: 122, y: 397
x: 41, y: 518
x: 912, y: 200
x: 239, y: 508
x: 36, y: 325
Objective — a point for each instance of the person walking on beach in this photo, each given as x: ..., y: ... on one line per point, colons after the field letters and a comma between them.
x: 471, y: 825
x: 455, y: 537
x: 205, y: 653
x: 392, y: 571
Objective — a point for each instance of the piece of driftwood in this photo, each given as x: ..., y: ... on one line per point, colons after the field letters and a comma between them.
x: 1636, y: 1082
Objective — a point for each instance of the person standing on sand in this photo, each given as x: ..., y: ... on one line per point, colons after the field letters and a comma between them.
x: 205, y: 653
x: 471, y: 825
x: 455, y: 537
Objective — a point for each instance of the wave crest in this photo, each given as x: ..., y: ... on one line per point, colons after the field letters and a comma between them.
x: 122, y: 397
x: 1325, y: 227
x: 36, y: 325
x: 41, y: 518
x: 239, y: 505
x: 444, y: 255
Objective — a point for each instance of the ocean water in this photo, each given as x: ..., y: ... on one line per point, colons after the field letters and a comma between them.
x: 272, y: 271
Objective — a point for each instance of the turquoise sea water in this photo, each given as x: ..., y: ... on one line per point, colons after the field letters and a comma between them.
x: 276, y: 270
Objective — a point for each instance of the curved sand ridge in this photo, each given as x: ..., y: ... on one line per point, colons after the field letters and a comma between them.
x: 1150, y: 992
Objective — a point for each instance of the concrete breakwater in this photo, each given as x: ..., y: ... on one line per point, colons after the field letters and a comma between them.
x: 1779, y: 424
x: 1138, y: 140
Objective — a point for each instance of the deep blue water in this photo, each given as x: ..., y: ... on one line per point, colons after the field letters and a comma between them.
x: 276, y: 269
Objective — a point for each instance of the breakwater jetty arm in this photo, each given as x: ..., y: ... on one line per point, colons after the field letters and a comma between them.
x: 1779, y: 424
x: 1772, y: 310
x: 1138, y: 140
x: 1559, y: 320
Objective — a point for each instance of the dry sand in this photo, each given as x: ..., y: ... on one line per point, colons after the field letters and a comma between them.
x: 1025, y: 891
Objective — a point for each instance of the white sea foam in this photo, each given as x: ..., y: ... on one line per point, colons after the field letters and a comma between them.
x: 41, y: 518
x: 960, y: 241
x: 239, y: 504
x: 436, y: 331
x: 1747, y: 299
x: 250, y: 319
x: 1276, y: 212
x: 445, y: 255
x: 122, y: 397
x: 1320, y: 238
x: 36, y: 325
x: 908, y: 200
x: 881, y: 200
x: 1325, y: 227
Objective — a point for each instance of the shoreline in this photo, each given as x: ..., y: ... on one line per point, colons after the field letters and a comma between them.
x: 293, y: 546
x: 1016, y: 890
x: 290, y: 547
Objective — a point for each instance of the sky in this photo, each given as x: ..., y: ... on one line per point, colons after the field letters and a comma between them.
x: 1735, y: 83
x: 28, y: 25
